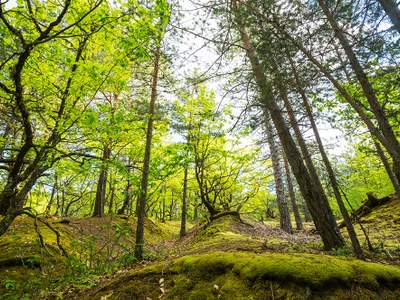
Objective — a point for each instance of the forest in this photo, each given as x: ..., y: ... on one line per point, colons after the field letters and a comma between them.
x: 199, y: 149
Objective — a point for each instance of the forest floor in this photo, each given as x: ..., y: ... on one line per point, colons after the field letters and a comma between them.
x: 229, y: 258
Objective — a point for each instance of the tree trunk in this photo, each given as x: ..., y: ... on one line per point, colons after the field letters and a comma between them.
x: 332, y: 178
x: 392, y: 10
x: 102, y: 184
x: 127, y: 200
x: 163, y: 210
x: 369, y: 93
x: 111, y: 204
x: 17, y: 199
x: 142, y: 199
x: 300, y: 140
x: 292, y: 196
x: 279, y: 187
x: 318, y: 206
x: 182, y: 232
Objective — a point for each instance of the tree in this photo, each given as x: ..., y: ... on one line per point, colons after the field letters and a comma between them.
x: 391, y: 142
x: 162, y: 11
x: 52, y: 42
x: 332, y: 177
x: 292, y: 196
x: 278, y: 176
x: 317, y: 204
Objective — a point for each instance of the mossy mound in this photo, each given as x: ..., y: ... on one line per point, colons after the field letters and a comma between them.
x: 234, y: 233
x: 242, y: 275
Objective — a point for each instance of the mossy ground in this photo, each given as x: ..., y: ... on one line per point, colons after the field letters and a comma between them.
x: 382, y: 225
x: 93, y: 245
x: 229, y: 258
x: 243, y: 275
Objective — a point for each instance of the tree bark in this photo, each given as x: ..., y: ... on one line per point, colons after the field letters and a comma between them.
x: 277, y: 169
x: 182, y: 232
x: 100, y: 199
x: 332, y: 178
x: 292, y: 196
x: 141, y: 204
x: 124, y: 210
x: 319, y: 207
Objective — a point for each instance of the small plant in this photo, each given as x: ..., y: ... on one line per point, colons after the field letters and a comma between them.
x: 127, y: 259
x: 342, y: 251
x: 9, y: 284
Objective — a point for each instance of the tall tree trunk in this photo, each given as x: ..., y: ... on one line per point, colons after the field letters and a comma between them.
x: 142, y: 199
x: 392, y: 10
x: 182, y: 232
x: 112, y: 197
x: 318, y: 206
x: 102, y: 184
x: 126, y: 207
x: 299, y: 136
x: 292, y: 196
x: 163, y: 210
x: 369, y: 93
x: 332, y: 178
x: 283, y: 208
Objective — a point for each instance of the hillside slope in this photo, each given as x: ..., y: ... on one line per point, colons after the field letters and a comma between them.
x: 228, y: 258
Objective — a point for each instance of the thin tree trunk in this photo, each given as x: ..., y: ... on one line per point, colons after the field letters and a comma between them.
x: 332, y: 178
x: 182, y: 232
x: 163, y: 210
x: 111, y: 204
x: 292, y: 196
x: 369, y: 93
x: 102, y: 184
x: 127, y: 200
x: 141, y: 203
x: 63, y: 202
x: 392, y: 10
x: 279, y: 187
x: 318, y: 206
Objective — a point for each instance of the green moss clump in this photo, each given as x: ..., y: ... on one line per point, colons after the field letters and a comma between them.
x: 239, y: 275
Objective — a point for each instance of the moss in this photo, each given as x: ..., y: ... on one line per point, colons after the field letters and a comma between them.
x: 249, y: 276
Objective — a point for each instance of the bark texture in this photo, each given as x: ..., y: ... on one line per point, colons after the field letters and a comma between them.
x: 278, y: 177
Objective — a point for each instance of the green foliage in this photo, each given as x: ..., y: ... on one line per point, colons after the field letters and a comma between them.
x: 363, y: 173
